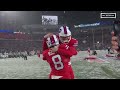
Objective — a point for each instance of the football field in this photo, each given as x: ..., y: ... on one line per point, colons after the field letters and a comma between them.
x: 36, y: 68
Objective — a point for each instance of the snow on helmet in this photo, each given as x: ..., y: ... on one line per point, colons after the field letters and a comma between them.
x: 52, y: 41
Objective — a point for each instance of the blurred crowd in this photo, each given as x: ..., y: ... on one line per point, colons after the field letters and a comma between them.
x: 95, y: 38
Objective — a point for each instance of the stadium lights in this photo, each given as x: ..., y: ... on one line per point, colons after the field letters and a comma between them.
x: 98, y: 42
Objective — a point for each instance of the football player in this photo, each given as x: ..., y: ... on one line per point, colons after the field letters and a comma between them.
x: 58, y: 56
x: 64, y: 36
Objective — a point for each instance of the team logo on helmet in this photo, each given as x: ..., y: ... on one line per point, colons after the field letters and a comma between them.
x: 65, y: 34
x: 52, y: 41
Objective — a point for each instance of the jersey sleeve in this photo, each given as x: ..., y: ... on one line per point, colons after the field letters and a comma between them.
x: 65, y: 50
x: 44, y: 45
x: 44, y: 55
x: 73, y: 50
x: 73, y: 46
x: 74, y: 43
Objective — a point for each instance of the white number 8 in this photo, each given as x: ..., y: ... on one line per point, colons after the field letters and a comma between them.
x: 59, y: 62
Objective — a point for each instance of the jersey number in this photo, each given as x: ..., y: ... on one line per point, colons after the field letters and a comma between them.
x: 57, y: 62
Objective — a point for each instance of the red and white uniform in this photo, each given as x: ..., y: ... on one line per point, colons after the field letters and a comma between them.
x: 59, y: 62
x: 72, y: 43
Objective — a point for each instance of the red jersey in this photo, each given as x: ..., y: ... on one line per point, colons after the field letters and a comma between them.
x: 72, y: 43
x: 60, y: 61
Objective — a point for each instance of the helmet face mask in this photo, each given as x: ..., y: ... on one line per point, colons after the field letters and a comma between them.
x: 65, y: 39
x: 54, y: 46
x: 65, y: 34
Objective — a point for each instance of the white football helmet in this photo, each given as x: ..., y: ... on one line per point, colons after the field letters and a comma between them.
x: 52, y: 41
x: 64, y: 34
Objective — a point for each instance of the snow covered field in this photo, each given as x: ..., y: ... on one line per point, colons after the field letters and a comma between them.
x: 36, y: 68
